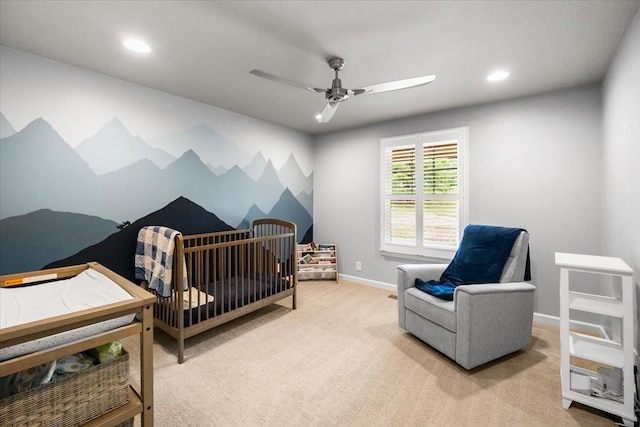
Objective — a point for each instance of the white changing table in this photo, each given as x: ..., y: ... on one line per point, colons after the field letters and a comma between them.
x: 140, y: 395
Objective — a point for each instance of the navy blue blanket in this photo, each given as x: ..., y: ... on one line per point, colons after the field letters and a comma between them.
x: 480, y: 258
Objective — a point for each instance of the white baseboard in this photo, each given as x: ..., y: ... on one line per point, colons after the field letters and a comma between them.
x: 372, y: 283
x: 546, y: 319
x: 537, y: 317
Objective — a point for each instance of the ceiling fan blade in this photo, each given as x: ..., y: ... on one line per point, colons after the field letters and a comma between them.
x: 287, y: 81
x: 328, y: 112
x: 395, y: 85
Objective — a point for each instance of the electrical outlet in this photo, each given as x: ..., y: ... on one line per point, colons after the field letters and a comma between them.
x: 358, y: 266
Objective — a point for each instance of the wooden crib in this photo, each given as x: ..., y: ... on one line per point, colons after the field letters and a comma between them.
x: 230, y: 274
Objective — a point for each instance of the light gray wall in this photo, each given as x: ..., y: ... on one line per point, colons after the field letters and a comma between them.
x: 534, y: 162
x: 621, y: 155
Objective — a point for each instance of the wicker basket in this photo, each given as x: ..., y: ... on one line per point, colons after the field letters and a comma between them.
x: 71, y: 401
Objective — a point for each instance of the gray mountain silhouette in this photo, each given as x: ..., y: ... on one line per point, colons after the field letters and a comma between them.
x: 306, y: 200
x: 211, y: 147
x: 38, y: 170
x: 256, y: 167
x: 291, y: 176
x: 219, y: 170
x: 253, y: 214
x: 6, y: 130
x: 231, y: 194
x: 142, y: 186
x: 189, y: 177
x: 113, y: 147
x: 27, y: 242
x: 133, y: 191
x: 268, y: 188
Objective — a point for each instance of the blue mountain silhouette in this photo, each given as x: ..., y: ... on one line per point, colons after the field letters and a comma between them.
x: 287, y: 207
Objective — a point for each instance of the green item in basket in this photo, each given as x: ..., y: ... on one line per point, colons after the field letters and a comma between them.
x: 106, y: 352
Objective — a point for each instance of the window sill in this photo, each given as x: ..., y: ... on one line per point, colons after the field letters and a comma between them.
x: 438, y: 256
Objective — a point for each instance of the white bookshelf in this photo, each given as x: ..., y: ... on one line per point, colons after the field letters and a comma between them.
x: 317, y: 261
x: 614, y: 352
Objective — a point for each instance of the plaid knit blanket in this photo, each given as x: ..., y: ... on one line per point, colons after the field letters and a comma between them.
x: 154, y: 258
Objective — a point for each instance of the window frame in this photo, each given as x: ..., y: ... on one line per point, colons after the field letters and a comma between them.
x: 421, y: 251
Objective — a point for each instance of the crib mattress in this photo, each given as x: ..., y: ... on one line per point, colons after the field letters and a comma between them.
x: 232, y: 294
x: 89, y: 289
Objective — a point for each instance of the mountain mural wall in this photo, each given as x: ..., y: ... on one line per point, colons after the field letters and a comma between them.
x: 50, y: 190
x: 86, y: 160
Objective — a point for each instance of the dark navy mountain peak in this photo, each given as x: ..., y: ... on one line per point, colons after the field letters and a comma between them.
x: 29, y: 241
x: 117, y: 251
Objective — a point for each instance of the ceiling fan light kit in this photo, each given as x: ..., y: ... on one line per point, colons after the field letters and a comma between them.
x: 337, y: 94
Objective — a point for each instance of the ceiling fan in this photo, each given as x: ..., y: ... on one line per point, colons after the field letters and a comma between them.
x: 337, y: 94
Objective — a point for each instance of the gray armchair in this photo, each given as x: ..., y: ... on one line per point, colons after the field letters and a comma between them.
x: 482, y: 323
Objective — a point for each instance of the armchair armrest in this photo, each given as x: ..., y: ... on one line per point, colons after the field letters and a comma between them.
x: 493, y: 319
x: 407, y: 274
x: 495, y: 288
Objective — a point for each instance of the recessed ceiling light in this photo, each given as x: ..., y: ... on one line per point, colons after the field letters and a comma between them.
x: 498, y: 75
x: 137, y: 45
x: 318, y: 117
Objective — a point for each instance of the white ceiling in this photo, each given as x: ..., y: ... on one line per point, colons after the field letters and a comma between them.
x: 204, y: 50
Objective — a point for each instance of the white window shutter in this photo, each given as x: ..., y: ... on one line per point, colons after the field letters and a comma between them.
x: 423, y: 205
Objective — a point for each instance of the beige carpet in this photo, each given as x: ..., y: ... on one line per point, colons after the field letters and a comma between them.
x: 341, y: 360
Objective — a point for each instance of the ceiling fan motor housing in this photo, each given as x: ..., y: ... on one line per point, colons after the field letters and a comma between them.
x: 337, y: 93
